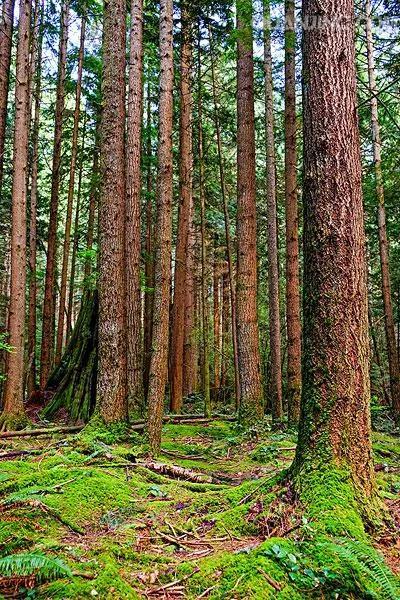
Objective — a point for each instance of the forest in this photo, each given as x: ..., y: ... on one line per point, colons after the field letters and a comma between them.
x: 200, y: 299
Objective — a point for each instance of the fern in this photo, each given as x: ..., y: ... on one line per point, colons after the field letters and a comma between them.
x: 32, y: 563
x: 372, y: 565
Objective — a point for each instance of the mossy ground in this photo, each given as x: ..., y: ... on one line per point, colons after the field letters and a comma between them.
x: 126, y: 533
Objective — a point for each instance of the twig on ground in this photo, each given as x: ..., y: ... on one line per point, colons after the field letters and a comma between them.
x: 174, y: 583
x: 269, y: 579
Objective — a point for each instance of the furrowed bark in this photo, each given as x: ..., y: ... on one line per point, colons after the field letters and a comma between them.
x: 335, y: 424
x: 293, y: 324
x: 133, y: 198
x: 13, y: 400
x: 272, y: 229
x: 251, y: 395
x: 112, y: 376
x: 185, y: 213
x: 162, y: 281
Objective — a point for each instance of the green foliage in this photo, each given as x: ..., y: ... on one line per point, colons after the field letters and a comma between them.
x: 33, y: 563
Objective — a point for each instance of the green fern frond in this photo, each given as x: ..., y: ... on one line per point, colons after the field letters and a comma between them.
x: 372, y: 565
x: 33, y: 563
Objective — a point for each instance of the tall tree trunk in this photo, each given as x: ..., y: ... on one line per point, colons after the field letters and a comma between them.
x: 205, y: 364
x: 335, y: 417
x: 189, y: 347
x: 13, y: 409
x: 394, y: 367
x: 133, y: 195
x: 162, y: 279
x: 185, y: 212
x: 93, y: 201
x: 49, y: 302
x: 216, y: 322
x: 251, y: 394
x: 71, y: 189
x: 293, y: 324
x: 149, y: 251
x: 272, y: 229
x: 226, y: 330
x: 226, y: 222
x: 75, y: 243
x: 112, y: 377
x: 35, y: 83
x: 6, y: 34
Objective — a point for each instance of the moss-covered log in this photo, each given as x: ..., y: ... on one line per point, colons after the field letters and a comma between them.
x: 73, y: 382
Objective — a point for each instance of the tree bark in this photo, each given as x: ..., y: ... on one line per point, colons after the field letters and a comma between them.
x: 6, y: 33
x: 162, y: 279
x: 251, y: 395
x: 75, y: 243
x: 185, y: 213
x: 189, y: 348
x: 293, y: 324
x: 149, y: 251
x: 112, y: 375
x: 49, y: 302
x: 335, y: 416
x: 216, y: 322
x: 133, y: 197
x: 71, y: 189
x: 13, y: 406
x: 393, y: 359
x: 272, y: 228
x: 35, y: 84
x: 205, y: 364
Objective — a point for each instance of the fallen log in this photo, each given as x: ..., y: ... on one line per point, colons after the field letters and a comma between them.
x: 135, y: 426
x: 44, y: 431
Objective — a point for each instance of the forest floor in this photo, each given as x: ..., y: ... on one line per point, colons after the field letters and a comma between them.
x: 80, y: 518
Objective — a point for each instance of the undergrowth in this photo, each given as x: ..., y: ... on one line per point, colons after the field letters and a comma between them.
x: 75, y: 525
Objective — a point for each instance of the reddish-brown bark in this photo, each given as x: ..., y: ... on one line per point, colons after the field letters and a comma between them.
x: 112, y: 377
x: 185, y: 213
x: 272, y: 229
x: 335, y: 416
x: 216, y: 323
x: 133, y: 196
x: 251, y: 395
x: 293, y: 325
x: 35, y: 83
x: 13, y: 407
x: 159, y: 359
x: 149, y: 258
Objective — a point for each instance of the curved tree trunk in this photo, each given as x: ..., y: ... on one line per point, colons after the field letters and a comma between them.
x: 335, y: 415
